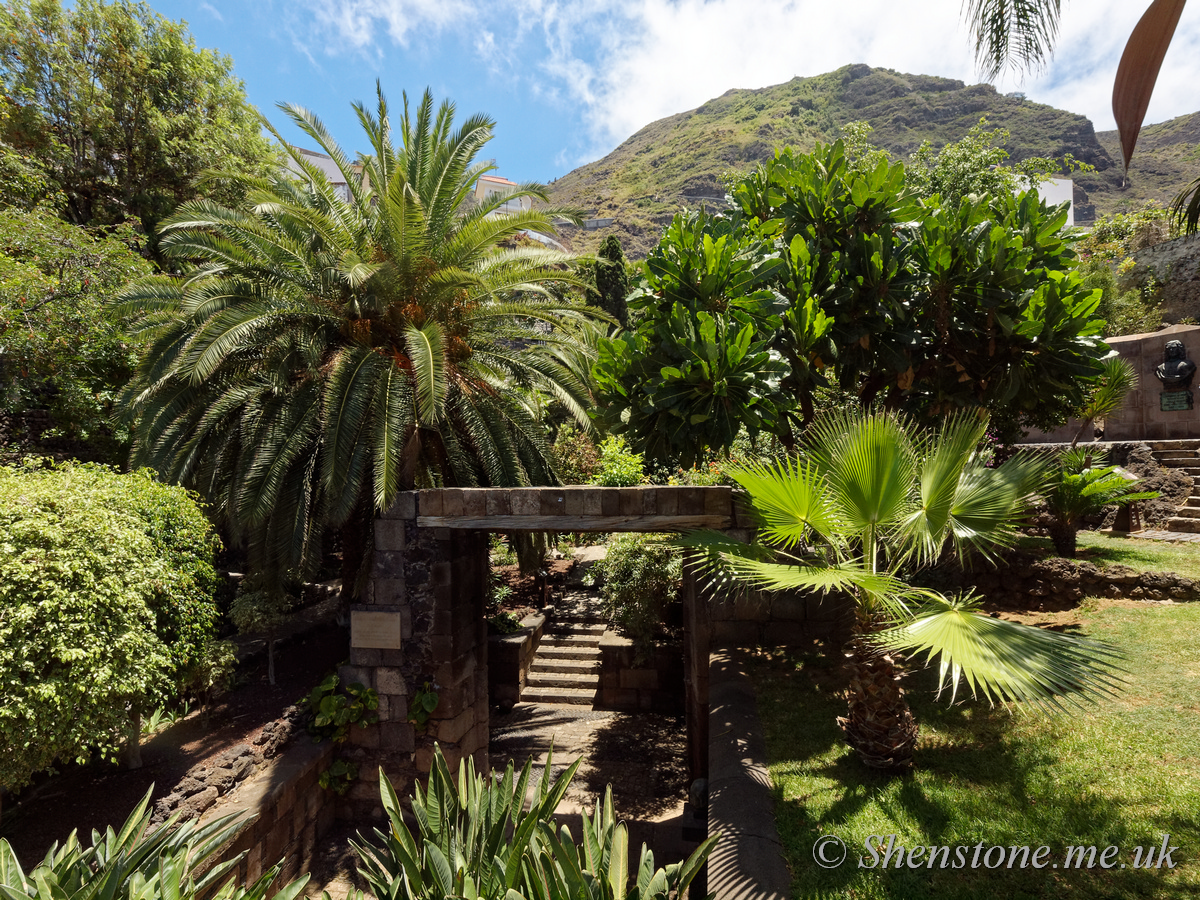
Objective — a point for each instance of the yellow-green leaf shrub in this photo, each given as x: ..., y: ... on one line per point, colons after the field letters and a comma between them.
x: 106, y: 608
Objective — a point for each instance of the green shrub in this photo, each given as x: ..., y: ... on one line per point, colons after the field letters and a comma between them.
x: 619, y: 466
x: 106, y: 609
x: 641, y: 575
x: 575, y: 455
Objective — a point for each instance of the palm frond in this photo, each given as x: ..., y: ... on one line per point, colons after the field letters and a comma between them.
x: 1004, y: 661
x: 1018, y: 33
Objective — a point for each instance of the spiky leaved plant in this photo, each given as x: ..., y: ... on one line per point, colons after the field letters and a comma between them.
x: 321, y: 352
x: 870, y: 500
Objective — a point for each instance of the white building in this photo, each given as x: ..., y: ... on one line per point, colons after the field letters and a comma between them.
x: 1059, y: 190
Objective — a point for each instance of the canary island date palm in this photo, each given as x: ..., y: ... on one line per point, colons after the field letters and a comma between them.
x: 868, y: 502
x: 321, y: 352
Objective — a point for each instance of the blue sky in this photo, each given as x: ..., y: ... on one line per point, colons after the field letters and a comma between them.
x: 568, y: 81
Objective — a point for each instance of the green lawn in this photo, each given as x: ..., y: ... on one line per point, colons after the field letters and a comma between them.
x: 1144, y: 555
x: 1122, y: 773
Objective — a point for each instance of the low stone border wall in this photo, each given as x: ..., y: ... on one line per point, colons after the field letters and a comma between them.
x: 655, y: 684
x: 747, y: 863
x: 752, y: 618
x: 291, y: 813
x: 1024, y: 579
x: 509, y: 659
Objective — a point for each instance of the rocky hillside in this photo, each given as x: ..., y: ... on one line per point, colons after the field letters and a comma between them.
x: 677, y: 161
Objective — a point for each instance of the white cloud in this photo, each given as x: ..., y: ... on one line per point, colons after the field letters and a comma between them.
x: 212, y: 11
x: 359, y: 24
x: 618, y: 65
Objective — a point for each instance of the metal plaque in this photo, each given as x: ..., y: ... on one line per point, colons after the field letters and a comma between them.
x: 375, y: 630
x: 1175, y: 401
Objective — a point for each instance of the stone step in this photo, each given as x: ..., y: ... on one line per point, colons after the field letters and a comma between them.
x: 578, y: 666
x: 1193, y: 500
x: 1187, y: 465
x: 1188, y: 512
x: 569, y: 628
x: 571, y: 640
x: 1177, y: 444
x: 559, y: 695
x: 1191, y: 526
x: 572, y: 651
x: 560, y: 680
x: 1164, y: 455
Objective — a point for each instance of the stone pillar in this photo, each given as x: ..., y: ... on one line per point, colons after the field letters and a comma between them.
x: 421, y: 623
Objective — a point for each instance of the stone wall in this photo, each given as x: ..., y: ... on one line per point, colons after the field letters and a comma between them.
x: 291, y: 813
x: 1141, y: 418
x: 627, y: 683
x: 1024, y: 581
x: 509, y: 659
x: 750, y: 618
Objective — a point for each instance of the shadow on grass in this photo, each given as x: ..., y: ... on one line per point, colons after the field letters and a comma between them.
x: 974, y: 781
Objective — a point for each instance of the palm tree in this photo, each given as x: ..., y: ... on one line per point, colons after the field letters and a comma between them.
x: 1116, y: 381
x: 1082, y: 485
x: 320, y: 353
x: 867, y: 503
x: 1022, y: 33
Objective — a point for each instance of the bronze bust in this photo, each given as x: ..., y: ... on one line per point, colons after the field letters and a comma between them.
x: 1177, y: 370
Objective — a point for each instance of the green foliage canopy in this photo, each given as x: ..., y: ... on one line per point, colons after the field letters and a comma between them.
x: 59, y: 348
x: 326, y: 353
x: 120, y: 109
x: 831, y: 273
x: 106, y: 608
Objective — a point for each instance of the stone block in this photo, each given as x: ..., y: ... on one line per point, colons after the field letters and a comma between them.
x: 393, y: 658
x: 254, y: 865
x: 525, y: 502
x: 397, y: 737
x: 404, y: 507
x: 717, y: 500
x: 389, y: 681
x: 452, y: 501
x: 639, y: 679
x: 452, y: 730
x: 552, y: 502
x: 593, y: 502
x: 498, y: 503
x: 354, y: 674
x: 573, y: 501
x: 475, y: 502
x: 752, y: 606
x: 736, y: 634
x: 649, y: 502
x: 667, y: 501
x: 429, y: 503
x: 631, y: 501
x: 691, y: 501
x: 397, y: 706
x: 389, y: 534
x: 389, y: 592
x: 365, y: 736
x: 610, y: 501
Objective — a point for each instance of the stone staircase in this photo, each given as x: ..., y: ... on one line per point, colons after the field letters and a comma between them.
x: 566, y: 668
x: 1183, y: 455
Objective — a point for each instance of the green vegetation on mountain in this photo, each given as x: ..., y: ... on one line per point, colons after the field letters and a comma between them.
x: 678, y: 161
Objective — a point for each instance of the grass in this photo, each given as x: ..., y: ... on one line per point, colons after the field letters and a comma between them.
x: 1122, y: 773
x: 1144, y: 555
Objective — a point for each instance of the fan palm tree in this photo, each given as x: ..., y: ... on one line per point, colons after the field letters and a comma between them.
x: 321, y: 352
x: 1022, y: 33
x: 869, y: 501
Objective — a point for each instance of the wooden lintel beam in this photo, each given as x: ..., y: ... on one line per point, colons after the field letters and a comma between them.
x: 573, y: 523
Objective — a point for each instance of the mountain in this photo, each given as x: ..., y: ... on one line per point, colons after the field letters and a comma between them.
x: 677, y: 161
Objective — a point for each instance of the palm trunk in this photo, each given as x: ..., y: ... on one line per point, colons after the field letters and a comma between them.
x: 879, y: 725
x: 1062, y: 534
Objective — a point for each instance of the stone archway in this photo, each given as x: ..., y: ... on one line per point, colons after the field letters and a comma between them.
x: 422, y: 619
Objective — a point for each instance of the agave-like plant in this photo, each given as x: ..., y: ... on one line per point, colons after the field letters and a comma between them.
x: 140, y: 862
x: 869, y: 501
x: 322, y: 352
